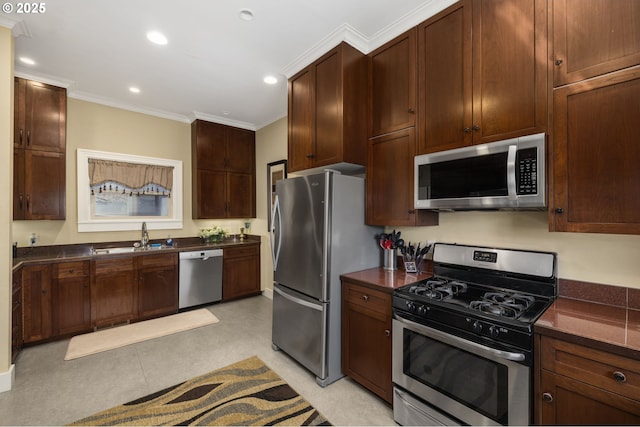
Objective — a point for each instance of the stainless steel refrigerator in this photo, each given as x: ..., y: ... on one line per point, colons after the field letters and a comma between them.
x: 317, y: 234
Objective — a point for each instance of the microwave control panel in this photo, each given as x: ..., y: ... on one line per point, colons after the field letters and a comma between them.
x: 527, y: 171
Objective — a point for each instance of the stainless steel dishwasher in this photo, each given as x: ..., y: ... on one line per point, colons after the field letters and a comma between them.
x: 200, y: 277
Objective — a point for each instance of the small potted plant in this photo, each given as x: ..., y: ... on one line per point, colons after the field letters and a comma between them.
x: 212, y: 234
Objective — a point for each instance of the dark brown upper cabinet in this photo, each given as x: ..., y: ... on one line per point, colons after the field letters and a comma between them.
x: 327, y: 111
x: 482, y: 73
x: 594, y: 37
x: 223, y: 171
x: 39, y: 151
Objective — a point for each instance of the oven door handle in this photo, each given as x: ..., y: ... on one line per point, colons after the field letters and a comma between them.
x: 461, y: 342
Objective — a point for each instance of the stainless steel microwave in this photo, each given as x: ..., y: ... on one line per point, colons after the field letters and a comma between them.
x: 508, y: 174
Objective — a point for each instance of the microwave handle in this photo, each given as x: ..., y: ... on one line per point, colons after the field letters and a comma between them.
x: 511, y: 172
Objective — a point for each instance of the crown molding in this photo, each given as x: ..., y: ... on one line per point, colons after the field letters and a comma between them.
x: 348, y: 34
x: 222, y: 120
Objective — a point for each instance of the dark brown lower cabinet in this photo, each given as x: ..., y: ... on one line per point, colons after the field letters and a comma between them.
x: 36, y: 303
x: 580, y: 385
x: 240, y: 272
x: 158, y: 290
x: 114, y: 291
x: 16, y: 315
x: 71, y: 298
x: 366, y: 338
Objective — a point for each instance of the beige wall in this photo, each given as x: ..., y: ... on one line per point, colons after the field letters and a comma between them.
x: 6, y: 182
x: 98, y: 127
x: 600, y: 258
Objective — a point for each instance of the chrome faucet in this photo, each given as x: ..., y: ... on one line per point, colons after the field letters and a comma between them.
x: 144, y: 241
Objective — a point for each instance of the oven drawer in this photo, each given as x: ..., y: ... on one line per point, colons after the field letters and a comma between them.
x: 371, y: 299
x: 611, y: 372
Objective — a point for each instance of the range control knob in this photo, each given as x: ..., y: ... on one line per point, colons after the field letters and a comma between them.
x: 422, y: 310
x: 477, y: 327
x: 494, y: 331
x: 411, y: 306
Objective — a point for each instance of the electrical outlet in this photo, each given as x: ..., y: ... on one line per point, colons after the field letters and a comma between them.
x: 33, y: 239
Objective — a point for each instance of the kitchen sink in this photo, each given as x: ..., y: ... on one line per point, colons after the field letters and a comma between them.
x: 122, y: 250
x: 126, y: 249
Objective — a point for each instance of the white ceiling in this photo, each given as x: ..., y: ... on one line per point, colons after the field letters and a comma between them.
x: 213, y: 66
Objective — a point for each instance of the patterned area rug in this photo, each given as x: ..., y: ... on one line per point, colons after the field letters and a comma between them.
x: 245, y: 393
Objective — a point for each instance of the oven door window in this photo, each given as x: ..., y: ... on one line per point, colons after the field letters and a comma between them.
x: 476, y: 382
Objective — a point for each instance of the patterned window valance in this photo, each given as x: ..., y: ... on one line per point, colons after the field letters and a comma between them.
x: 131, y: 175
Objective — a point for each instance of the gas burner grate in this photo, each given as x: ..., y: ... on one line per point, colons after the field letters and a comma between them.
x: 503, y: 304
x: 438, y: 289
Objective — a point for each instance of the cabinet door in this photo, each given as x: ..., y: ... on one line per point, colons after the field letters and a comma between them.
x: 328, y: 109
x: 44, y: 185
x: 366, y: 338
x: 392, y: 80
x: 509, y: 69
x: 569, y: 402
x: 241, y: 195
x: 71, y: 296
x: 594, y: 37
x: 445, y: 79
x: 241, y: 272
x: 16, y: 316
x: 158, y: 291
x: 210, y: 194
x: 19, y: 106
x: 240, y: 151
x: 208, y: 146
x: 36, y: 303
x: 390, y: 179
x: 595, y: 171
x: 19, y: 196
x: 114, y: 291
x: 301, y: 120
x: 45, y: 117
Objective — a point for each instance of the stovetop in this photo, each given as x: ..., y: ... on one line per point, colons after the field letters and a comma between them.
x: 501, y: 305
x: 482, y: 294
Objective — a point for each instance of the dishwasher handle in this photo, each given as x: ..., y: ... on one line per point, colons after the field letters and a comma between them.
x: 201, y: 255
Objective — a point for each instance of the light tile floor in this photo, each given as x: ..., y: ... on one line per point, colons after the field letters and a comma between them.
x: 51, y: 391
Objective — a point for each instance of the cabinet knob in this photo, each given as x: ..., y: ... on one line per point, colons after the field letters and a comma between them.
x: 619, y: 376
x: 559, y: 210
x: 21, y: 132
x: 387, y: 332
x: 28, y: 137
x: 466, y: 130
x: 411, y: 111
x: 365, y: 297
x: 547, y: 397
x: 558, y: 61
x: 310, y: 156
x: 476, y: 128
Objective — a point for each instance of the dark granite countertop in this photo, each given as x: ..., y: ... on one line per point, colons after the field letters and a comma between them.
x: 56, y: 253
x: 381, y: 279
x: 579, y: 316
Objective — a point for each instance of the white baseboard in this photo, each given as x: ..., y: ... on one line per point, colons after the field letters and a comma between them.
x: 268, y: 293
x: 7, y: 378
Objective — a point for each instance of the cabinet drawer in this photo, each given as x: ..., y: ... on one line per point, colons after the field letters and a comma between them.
x: 241, y: 251
x: 368, y: 298
x: 66, y: 270
x: 159, y: 260
x: 611, y: 372
x: 113, y: 265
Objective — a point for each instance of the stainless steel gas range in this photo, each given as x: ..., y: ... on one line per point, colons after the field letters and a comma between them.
x: 463, y: 339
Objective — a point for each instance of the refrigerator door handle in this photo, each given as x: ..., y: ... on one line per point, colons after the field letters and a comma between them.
x: 297, y: 300
x: 275, y: 249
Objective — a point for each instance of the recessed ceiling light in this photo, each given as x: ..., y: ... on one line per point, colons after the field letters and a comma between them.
x: 157, y: 37
x: 134, y: 89
x: 270, y: 80
x: 27, y: 61
x: 246, y: 14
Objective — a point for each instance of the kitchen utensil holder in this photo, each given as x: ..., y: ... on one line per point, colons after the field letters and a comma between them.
x: 390, y: 260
